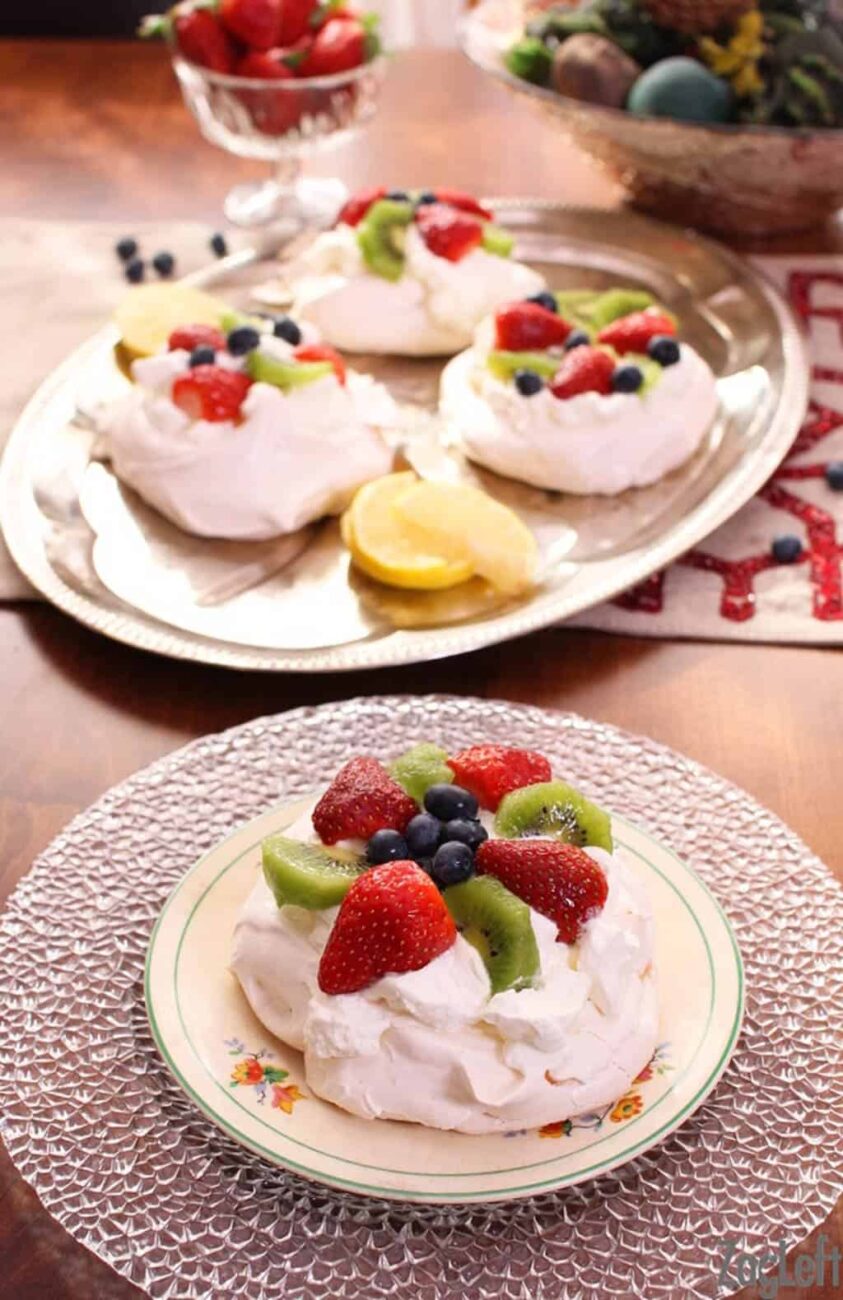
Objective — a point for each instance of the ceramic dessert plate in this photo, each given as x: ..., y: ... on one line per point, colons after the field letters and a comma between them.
x: 94, y: 549
x: 254, y: 1087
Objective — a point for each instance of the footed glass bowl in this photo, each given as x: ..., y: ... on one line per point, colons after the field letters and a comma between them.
x: 280, y: 122
x: 729, y: 179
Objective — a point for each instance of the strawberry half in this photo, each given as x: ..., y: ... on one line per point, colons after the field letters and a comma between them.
x: 322, y: 352
x: 447, y: 232
x: 392, y: 919
x: 584, y: 370
x: 558, y: 880
x: 189, y: 337
x: 211, y: 393
x: 201, y: 40
x: 257, y: 23
x: 358, y: 205
x: 491, y: 771
x: 529, y: 327
x: 362, y: 799
x: 633, y: 333
x: 463, y: 202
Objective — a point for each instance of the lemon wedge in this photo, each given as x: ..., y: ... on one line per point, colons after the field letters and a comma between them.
x: 466, y: 525
x: 149, y: 313
x: 389, y: 548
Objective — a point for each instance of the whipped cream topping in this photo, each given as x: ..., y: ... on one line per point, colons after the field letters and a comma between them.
x: 433, y: 310
x: 292, y: 458
x: 585, y: 444
x: 435, y: 1046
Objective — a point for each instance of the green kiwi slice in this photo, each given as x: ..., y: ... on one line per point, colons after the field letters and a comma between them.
x: 552, y: 808
x: 307, y: 875
x: 380, y: 237
x: 498, y: 925
x: 421, y: 767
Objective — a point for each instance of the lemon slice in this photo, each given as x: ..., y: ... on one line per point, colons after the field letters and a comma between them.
x: 388, y: 548
x: 465, y: 524
x: 148, y: 315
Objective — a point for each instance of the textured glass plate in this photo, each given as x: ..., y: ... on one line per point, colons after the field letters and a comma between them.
x: 97, y: 552
x: 123, y: 1159
x: 200, y: 1018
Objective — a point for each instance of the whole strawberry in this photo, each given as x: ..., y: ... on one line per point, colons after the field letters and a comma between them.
x: 529, y: 327
x: 559, y: 880
x: 447, y: 232
x: 295, y: 20
x: 633, y: 333
x: 583, y: 370
x: 211, y: 393
x: 362, y: 799
x: 392, y: 919
x: 200, y: 39
x: 257, y: 23
x: 339, y: 45
x: 491, y: 771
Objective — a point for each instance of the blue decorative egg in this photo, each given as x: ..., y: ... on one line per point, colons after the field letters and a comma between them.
x: 682, y: 89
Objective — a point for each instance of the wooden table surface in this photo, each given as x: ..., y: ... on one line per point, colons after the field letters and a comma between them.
x: 97, y: 130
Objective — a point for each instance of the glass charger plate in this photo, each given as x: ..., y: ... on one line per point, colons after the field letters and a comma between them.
x: 93, y: 549
x: 121, y: 1157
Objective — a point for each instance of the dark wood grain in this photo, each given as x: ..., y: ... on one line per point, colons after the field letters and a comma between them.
x: 97, y: 130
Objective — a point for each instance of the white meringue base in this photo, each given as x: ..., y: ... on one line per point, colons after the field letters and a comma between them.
x: 586, y: 444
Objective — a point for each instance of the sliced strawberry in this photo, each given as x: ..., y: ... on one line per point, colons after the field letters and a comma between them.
x: 257, y: 23
x: 392, y: 919
x: 189, y: 337
x: 633, y: 333
x: 339, y: 46
x: 529, y: 327
x: 559, y: 880
x: 295, y: 20
x: 358, y: 205
x: 202, y: 40
x: 361, y: 799
x: 211, y: 393
x: 272, y: 113
x: 322, y: 352
x: 583, y: 370
x: 491, y: 771
x: 463, y: 202
x: 447, y: 232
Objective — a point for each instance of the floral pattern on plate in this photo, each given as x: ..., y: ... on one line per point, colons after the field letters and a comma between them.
x: 253, y: 1071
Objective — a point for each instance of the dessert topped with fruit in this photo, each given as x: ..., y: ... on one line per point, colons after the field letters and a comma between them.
x: 410, y: 273
x: 238, y: 426
x: 580, y: 392
x: 453, y: 940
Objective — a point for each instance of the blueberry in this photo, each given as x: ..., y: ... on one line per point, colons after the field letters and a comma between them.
x: 577, y: 339
x: 243, y: 339
x: 449, y: 801
x: 202, y: 356
x: 663, y: 349
x: 398, y: 196
x: 426, y: 196
x: 423, y: 835
x: 528, y: 382
x: 286, y: 328
x: 834, y: 475
x: 464, y: 831
x: 627, y: 379
x: 386, y: 846
x: 787, y: 549
x: 126, y: 249
x: 218, y: 245
x: 453, y: 863
x: 164, y: 264
x: 135, y: 271
x: 544, y: 299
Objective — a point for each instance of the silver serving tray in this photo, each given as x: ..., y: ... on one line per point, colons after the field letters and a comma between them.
x: 96, y: 551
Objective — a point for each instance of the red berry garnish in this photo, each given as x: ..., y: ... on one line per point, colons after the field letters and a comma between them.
x: 361, y: 799
x: 583, y: 370
x: 211, y: 393
x: 257, y: 23
x: 491, y: 771
x: 339, y: 46
x: 201, y: 40
x: 447, y: 232
x: 633, y: 333
x: 322, y: 352
x: 529, y: 327
x: 392, y: 919
x: 189, y: 337
x: 463, y: 202
x: 559, y: 880
x: 358, y: 205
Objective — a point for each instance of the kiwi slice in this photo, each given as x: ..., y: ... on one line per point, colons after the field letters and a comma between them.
x: 498, y: 925
x: 503, y: 365
x: 615, y: 303
x: 380, y: 237
x: 308, y: 875
x: 554, y: 809
x: 285, y: 374
x: 497, y: 241
x: 421, y: 767
x: 232, y: 320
